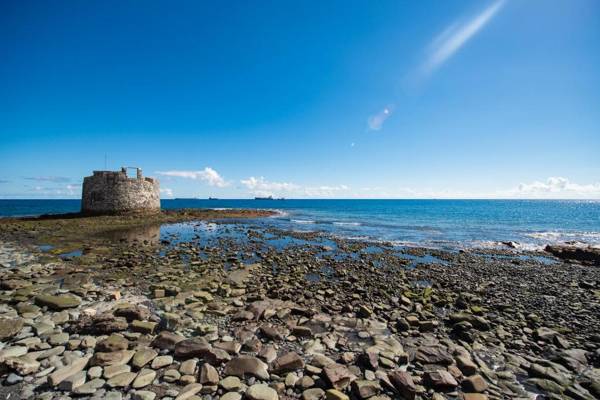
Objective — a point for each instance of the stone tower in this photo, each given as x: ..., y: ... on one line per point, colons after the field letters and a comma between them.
x: 113, y: 192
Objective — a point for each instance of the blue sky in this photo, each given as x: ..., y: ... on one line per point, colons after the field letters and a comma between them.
x: 343, y: 99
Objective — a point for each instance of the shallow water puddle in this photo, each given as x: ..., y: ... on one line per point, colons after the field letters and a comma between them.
x: 417, y: 260
x: 71, y: 254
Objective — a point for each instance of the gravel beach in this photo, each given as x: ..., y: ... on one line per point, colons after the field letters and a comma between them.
x: 218, y: 305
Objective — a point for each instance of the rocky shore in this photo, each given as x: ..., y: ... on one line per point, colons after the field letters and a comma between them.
x: 213, y: 306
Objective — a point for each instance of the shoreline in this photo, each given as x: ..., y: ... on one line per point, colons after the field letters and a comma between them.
x: 301, y: 315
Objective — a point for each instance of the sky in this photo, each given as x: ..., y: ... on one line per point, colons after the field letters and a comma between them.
x: 333, y: 99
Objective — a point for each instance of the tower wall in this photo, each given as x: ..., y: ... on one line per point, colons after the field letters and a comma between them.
x: 113, y: 192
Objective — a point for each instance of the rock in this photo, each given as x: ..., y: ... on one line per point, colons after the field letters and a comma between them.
x: 73, y: 381
x: 95, y: 372
x: 247, y: 365
x: 368, y: 360
x: 231, y: 396
x: 313, y: 394
x: 466, y: 365
x: 114, y: 370
x: 143, y: 395
x: 188, y: 367
x: 190, y: 348
x: 144, y: 378
x: 132, y: 313
x: 143, y: 357
x: 440, y: 379
x: 585, y: 255
x: 120, y: 357
x: 162, y: 361
x: 189, y: 391
x: 288, y: 362
x: 545, y: 334
x: 403, y: 383
x: 100, y: 324
x: 231, y: 383
x: 364, y: 389
x: 261, y: 392
x: 113, y: 343
x: 338, y: 376
x: 13, y: 379
x: 166, y: 340
x: 57, y: 303
x: 63, y: 373
x: 474, y: 396
x: 122, y: 380
x: 90, y: 387
x: 146, y: 327
x: 433, y: 355
x: 475, y: 384
x: 58, y: 339
x: 171, y: 375
x: 208, y: 375
x: 333, y: 394
x: 24, y: 365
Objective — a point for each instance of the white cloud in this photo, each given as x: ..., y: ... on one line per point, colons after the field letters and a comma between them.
x: 166, y: 192
x: 207, y: 175
x: 556, y: 188
x: 261, y: 184
x: 262, y: 187
x: 455, y: 36
x: 375, y: 122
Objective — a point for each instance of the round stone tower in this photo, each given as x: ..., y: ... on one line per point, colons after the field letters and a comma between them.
x: 113, y: 192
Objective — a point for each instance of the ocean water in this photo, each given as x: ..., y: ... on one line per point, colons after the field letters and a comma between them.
x: 432, y: 223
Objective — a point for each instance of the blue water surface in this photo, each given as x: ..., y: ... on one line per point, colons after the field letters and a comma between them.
x: 436, y: 223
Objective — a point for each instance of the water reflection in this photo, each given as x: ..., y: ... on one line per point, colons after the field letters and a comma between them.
x: 148, y: 235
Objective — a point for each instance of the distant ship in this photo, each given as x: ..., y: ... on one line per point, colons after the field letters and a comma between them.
x: 213, y: 198
x: 264, y: 198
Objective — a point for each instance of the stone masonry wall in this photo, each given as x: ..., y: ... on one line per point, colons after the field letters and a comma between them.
x: 110, y: 192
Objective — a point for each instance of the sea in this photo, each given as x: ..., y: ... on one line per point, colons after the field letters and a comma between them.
x: 528, y: 224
